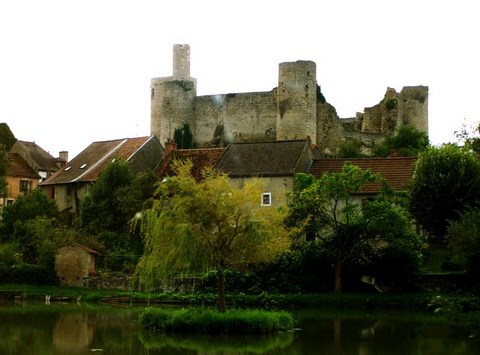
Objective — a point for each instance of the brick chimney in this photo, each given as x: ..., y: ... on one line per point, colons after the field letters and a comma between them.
x: 170, y: 146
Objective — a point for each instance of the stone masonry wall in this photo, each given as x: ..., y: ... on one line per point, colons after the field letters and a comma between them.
x: 294, y: 110
x: 221, y: 119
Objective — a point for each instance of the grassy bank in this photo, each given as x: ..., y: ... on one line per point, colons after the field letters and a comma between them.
x: 348, y: 301
x: 209, y: 321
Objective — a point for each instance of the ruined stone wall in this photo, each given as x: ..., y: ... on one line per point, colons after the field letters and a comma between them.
x: 413, y: 106
x: 329, y: 131
x: 222, y: 119
x: 294, y: 110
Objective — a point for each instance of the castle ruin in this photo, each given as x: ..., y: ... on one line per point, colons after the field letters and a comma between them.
x: 294, y: 109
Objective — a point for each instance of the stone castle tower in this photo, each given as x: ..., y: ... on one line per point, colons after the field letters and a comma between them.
x: 293, y: 110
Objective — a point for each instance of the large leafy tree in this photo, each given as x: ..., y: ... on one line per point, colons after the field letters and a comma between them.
x: 408, y: 141
x: 113, y: 201
x: 6, y: 136
x: 330, y: 210
x: 29, y: 223
x: 26, y: 207
x: 194, y: 227
x: 445, y: 182
x: 463, y: 237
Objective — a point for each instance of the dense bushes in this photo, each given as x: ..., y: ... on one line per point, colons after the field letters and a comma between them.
x: 204, y: 320
x: 27, y: 274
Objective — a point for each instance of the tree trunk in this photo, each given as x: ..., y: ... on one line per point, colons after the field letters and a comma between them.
x: 221, y: 290
x: 338, y: 277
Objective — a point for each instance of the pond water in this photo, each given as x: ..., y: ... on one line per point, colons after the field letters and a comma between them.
x: 85, y: 329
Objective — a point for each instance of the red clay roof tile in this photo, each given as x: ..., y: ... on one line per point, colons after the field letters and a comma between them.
x: 397, y: 171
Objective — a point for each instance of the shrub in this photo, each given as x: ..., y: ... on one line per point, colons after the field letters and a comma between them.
x: 32, y: 275
x: 204, y: 320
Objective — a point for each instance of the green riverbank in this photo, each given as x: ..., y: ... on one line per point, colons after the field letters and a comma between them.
x: 372, y: 301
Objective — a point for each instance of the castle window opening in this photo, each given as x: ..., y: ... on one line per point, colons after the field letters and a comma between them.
x: 153, y: 93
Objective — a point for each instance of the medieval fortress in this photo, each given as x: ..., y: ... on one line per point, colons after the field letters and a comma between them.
x: 294, y: 109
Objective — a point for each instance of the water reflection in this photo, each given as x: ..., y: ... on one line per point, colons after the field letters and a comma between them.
x: 380, y: 333
x: 73, y: 333
x: 224, y: 344
x: 71, y: 329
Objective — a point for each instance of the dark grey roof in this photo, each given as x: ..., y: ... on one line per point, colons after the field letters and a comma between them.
x: 35, y: 156
x: 276, y: 158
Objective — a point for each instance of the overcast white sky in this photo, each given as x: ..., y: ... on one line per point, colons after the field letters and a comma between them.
x: 75, y: 72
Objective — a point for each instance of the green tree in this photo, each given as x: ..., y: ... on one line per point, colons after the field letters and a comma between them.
x: 28, y: 223
x: 408, y: 141
x: 463, y: 237
x: 112, y: 203
x: 195, y: 227
x: 6, y: 136
x: 446, y: 181
x: 469, y: 137
x: 183, y: 137
x: 347, y: 226
x: 26, y: 207
x: 350, y: 148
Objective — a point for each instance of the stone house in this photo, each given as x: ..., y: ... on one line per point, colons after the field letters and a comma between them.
x: 275, y: 163
x: 74, y: 263
x: 68, y: 185
x: 20, y: 178
x: 27, y: 166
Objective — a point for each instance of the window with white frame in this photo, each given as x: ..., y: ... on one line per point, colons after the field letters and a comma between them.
x: 266, y: 199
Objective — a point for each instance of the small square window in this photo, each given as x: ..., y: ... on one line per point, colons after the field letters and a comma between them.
x: 266, y: 199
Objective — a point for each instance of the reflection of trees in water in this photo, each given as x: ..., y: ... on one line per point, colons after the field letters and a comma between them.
x: 72, y: 333
x: 30, y: 331
x: 214, y: 344
x: 364, y: 333
x: 114, y: 331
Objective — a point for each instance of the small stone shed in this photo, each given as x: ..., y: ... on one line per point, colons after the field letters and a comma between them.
x: 74, y: 263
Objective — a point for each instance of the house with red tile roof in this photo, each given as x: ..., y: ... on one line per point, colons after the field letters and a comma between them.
x: 68, y: 185
x: 397, y: 171
x: 201, y: 158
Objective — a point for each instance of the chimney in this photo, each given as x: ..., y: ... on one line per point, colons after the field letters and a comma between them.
x: 63, y: 155
x: 62, y: 159
x: 170, y: 146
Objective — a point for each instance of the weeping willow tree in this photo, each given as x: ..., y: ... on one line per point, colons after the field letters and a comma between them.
x: 199, y: 226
